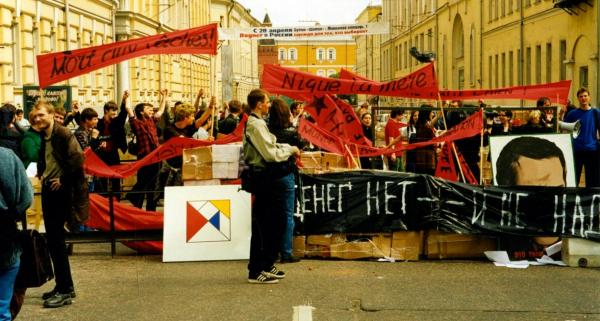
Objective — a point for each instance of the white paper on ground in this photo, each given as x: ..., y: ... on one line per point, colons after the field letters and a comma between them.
x: 554, y: 248
x: 500, y: 258
x: 386, y: 259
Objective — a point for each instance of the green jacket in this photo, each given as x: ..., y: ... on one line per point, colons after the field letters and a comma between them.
x: 30, y: 147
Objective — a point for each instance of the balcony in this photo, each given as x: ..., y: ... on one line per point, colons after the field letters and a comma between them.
x: 573, y: 7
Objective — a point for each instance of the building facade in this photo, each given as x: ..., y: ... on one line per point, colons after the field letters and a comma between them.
x: 235, y: 68
x: 32, y: 27
x: 368, y: 48
x: 494, y: 43
x: 320, y: 57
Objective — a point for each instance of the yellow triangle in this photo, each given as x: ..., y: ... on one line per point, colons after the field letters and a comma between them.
x: 223, y: 206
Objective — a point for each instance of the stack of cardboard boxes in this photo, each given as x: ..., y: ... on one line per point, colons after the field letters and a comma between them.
x: 400, y: 245
x: 322, y: 162
x: 209, y: 164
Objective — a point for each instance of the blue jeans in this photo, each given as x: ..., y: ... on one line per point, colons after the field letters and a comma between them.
x: 288, y: 184
x: 7, y: 282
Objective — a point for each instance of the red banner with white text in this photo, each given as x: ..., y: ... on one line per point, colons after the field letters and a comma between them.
x: 286, y: 81
x: 59, y: 66
x: 558, y: 92
x: 469, y: 127
x: 93, y: 165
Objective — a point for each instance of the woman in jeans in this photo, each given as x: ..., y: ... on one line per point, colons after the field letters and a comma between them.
x: 280, y: 125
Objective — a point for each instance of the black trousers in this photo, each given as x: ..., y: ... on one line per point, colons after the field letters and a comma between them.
x: 590, y: 160
x: 146, y: 181
x: 110, y: 158
x: 268, y: 225
x: 56, y: 208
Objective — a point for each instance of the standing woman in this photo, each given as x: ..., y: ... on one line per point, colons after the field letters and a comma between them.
x: 365, y: 121
x: 409, y: 133
x: 425, y: 157
x: 280, y: 125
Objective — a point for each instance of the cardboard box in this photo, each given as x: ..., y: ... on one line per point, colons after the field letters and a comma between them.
x: 196, y: 171
x: 407, y: 245
x: 311, y: 160
x: 580, y: 252
x: 199, y: 155
x: 229, y: 153
x: 443, y: 245
x: 299, y: 246
x: 352, y: 250
x: 333, y: 161
x: 225, y: 170
x: 204, y: 182
x: 317, y: 251
x: 382, y: 244
x: 326, y: 239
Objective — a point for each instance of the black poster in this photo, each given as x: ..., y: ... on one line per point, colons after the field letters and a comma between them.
x: 377, y: 201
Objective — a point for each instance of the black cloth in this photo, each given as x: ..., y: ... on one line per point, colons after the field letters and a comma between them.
x: 55, y: 208
x: 228, y: 125
x: 146, y: 181
x: 365, y: 162
x: 590, y: 160
x: 10, y: 137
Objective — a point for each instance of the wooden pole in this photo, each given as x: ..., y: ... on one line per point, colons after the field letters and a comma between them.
x: 481, y: 148
x: 356, y: 164
x: 462, y: 175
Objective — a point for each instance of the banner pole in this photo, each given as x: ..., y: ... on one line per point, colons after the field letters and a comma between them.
x: 357, y: 155
x: 357, y: 165
x: 462, y: 174
x: 481, y: 147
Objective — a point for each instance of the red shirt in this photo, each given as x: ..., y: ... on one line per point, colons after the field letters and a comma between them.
x: 145, y: 133
x: 392, y: 130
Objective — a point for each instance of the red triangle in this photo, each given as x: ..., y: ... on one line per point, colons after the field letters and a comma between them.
x: 195, y: 221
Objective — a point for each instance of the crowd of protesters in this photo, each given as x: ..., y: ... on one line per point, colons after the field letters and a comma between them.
x: 273, y: 144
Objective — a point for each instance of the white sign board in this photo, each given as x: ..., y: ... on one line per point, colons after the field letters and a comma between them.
x: 205, y: 223
x: 328, y: 32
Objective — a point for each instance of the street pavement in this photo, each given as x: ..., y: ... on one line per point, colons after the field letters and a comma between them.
x: 141, y: 287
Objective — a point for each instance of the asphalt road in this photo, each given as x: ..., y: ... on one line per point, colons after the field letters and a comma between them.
x: 136, y: 287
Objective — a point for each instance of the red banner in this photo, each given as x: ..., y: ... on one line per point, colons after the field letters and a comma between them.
x: 93, y: 165
x: 558, y: 92
x: 59, y: 66
x: 469, y: 127
x: 338, y: 118
x: 127, y: 218
x: 445, y: 166
x: 320, y: 138
x: 469, y: 177
x: 291, y: 82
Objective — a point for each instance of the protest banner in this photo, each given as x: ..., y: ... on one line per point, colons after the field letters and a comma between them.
x: 422, y: 83
x: 57, y: 96
x: 445, y: 165
x: 93, y: 165
x: 337, y: 117
x: 377, y: 201
x: 328, y: 32
x: 556, y: 91
x: 328, y: 141
x: 59, y: 66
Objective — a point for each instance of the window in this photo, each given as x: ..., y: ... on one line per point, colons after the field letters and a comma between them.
x: 16, y: 52
x: 503, y: 70
x: 496, y: 72
x: 503, y: 8
x: 511, y: 68
x: 293, y: 54
x: 528, y: 66
x: 331, y: 72
x: 583, y: 77
x: 490, y: 72
x: 538, y: 64
x: 400, y: 54
x: 281, y: 54
x: 430, y: 40
x: 320, y: 54
x: 520, y: 66
x: 406, y: 54
x: 472, y: 57
x: 549, y: 62
x: 331, y: 54
x: 562, y: 58
x: 321, y: 73
x: 490, y: 10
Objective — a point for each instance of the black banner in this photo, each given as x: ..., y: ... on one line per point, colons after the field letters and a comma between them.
x: 377, y: 201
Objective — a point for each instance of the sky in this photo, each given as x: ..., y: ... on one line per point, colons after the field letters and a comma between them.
x: 293, y: 12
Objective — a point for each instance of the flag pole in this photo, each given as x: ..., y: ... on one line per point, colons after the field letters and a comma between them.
x: 357, y: 165
x: 462, y: 175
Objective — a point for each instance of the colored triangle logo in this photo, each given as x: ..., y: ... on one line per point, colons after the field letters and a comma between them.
x: 223, y: 206
x: 215, y: 220
x: 195, y: 221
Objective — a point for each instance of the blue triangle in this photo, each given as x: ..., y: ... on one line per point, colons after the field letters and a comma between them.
x: 215, y: 220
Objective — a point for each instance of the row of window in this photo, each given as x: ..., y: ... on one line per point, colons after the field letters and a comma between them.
x: 292, y: 54
x: 500, y: 8
x: 328, y: 73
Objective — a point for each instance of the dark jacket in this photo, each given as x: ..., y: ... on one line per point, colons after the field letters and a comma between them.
x: 116, y: 129
x: 68, y: 154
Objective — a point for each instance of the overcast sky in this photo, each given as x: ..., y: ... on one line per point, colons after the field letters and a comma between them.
x: 292, y: 12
